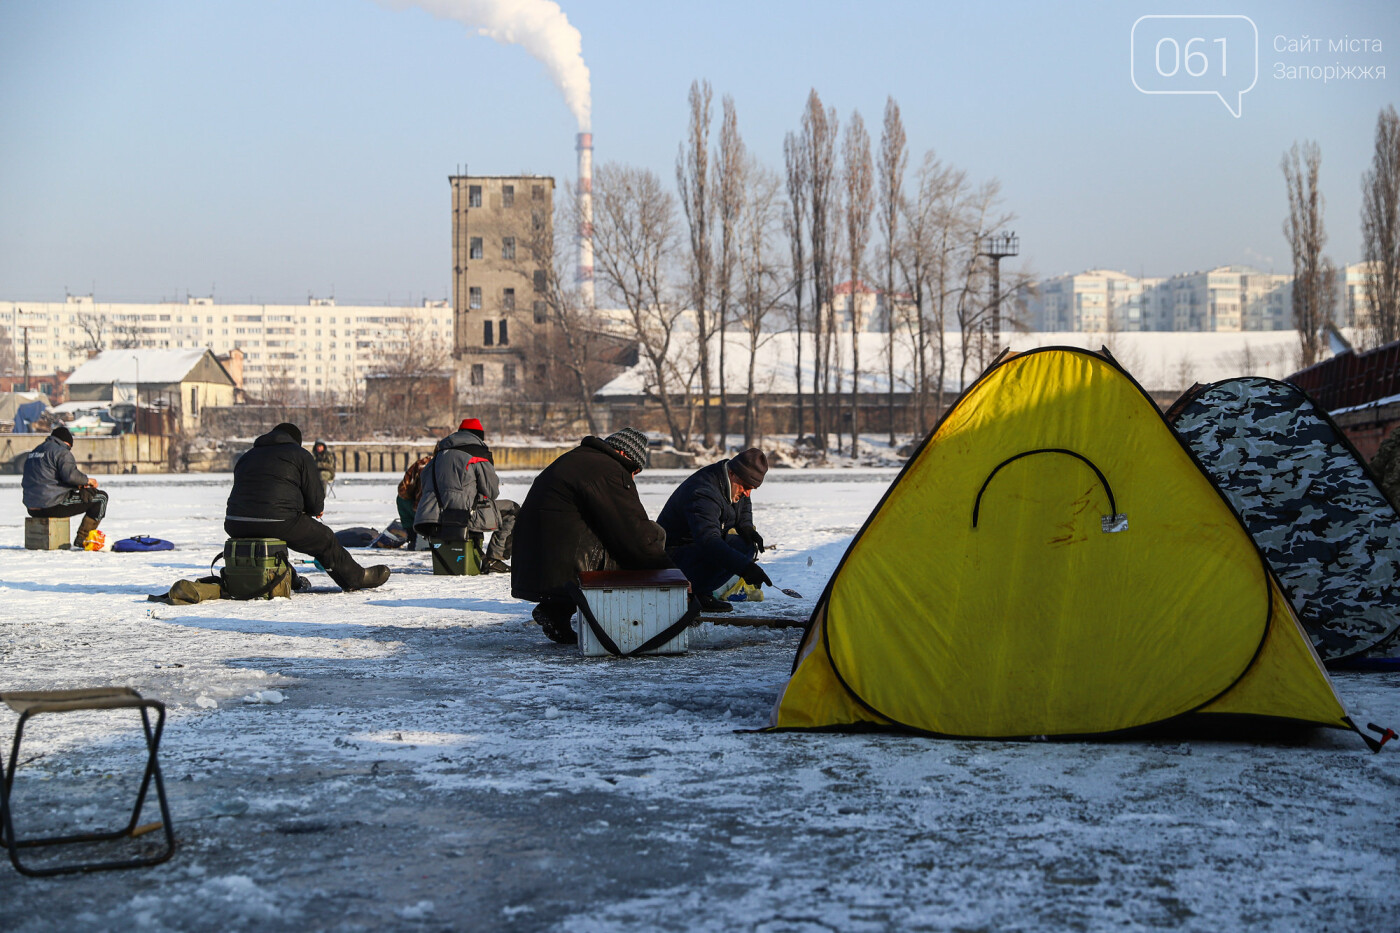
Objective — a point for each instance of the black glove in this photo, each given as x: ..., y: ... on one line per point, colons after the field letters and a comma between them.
x: 753, y: 575
x: 752, y: 536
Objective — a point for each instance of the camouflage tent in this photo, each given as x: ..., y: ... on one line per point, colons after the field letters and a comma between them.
x: 1310, y: 503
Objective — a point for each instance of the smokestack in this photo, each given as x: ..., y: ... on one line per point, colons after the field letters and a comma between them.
x: 585, y: 218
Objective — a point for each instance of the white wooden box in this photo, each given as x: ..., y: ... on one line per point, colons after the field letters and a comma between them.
x: 632, y: 606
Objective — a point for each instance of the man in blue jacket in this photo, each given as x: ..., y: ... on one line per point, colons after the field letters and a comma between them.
x: 54, y: 487
x: 709, y: 526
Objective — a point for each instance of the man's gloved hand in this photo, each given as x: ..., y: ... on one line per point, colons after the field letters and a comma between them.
x: 753, y: 575
x: 752, y: 536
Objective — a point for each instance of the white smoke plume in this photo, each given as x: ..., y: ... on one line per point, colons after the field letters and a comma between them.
x: 538, y: 26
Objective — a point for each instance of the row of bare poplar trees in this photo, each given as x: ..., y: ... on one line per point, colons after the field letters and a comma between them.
x: 740, y: 249
x: 1315, y: 277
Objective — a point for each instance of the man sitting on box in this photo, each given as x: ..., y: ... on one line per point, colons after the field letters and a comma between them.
x: 583, y: 513
x: 709, y: 527
x: 277, y: 493
x: 54, y: 487
x: 460, y: 495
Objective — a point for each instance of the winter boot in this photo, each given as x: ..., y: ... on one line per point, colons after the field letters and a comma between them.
x: 80, y: 539
x: 553, y: 617
x: 708, y: 603
x: 361, y: 578
x: 495, y: 565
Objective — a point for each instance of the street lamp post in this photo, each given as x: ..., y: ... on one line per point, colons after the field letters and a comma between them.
x: 136, y: 422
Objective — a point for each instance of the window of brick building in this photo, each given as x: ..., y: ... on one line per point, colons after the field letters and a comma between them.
x: 507, y: 195
x: 508, y: 247
x: 478, y: 374
x: 474, y: 297
x: 486, y: 339
x: 477, y: 250
x: 474, y: 196
x: 508, y: 299
x: 539, y: 280
x: 541, y: 372
x: 503, y: 333
x: 537, y: 193
x: 508, y: 374
x: 541, y: 312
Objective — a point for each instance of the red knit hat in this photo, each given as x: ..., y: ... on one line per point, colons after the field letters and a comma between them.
x: 471, y: 424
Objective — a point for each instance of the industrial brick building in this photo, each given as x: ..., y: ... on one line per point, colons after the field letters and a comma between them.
x: 499, y: 314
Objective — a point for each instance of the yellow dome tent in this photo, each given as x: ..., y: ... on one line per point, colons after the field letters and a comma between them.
x: 1052, y: 562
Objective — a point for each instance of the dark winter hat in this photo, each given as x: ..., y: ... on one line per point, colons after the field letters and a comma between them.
x: 472, y: 424
x: 631, y: 442
x: 62, y: 433
x: 287, y: 427
x: 749, y: 467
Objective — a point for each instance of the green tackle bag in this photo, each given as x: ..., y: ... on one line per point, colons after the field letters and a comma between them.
x: 458, y: 558
x: 255, y: 568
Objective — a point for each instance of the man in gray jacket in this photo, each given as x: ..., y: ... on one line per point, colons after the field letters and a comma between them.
x: 461, y: 495
x: 54, y: 487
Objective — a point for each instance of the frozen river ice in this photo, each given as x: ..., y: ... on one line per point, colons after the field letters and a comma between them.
x: 437, y: 764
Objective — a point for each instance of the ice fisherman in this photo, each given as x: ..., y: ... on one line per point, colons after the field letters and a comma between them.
x: 325, y: 463
x: 407, y: 498
x: 460, y: 490
x: 583, y: 513
x: 709, y: 527
x: 54, y: 487
x: 277, y: 493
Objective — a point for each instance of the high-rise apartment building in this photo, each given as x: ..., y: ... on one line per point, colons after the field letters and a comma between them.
x: 502, y: 228
x: 311, y: 352
x: 1224, y: 299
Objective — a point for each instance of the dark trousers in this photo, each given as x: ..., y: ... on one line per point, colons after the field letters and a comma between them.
x: 704, y: 575
x: 83, y: 500
x: 502, y: 539
x: 591, y: 556
x: 308, y: 536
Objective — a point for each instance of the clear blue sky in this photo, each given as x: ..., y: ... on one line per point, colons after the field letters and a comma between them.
x: 267, y: 149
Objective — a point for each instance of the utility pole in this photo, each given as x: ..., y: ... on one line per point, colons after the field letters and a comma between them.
x: 999, y: 246
x: 25, y: 329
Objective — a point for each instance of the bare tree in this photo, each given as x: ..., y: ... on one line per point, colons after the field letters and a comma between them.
x: 574, y: 336
x: 1314, y: 278
x: 819, y: 130
x: 1380, y: 230
x: 634, y: 241
x: 794, y: 221
x: 760, y: 288
x: 923, y: 259
x: 94, y: 329
x: 8, y: 361
x: 126, y: 333
x: 858, y: 175
x: 729, y: 198
x: 693, y: 179
x: 894, y: 157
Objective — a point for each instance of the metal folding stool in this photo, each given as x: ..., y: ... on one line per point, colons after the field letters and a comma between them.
x: 32, y: 703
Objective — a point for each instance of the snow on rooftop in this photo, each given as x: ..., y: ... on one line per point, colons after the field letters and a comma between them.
x: 1159, y: 360
x: 125, y: 366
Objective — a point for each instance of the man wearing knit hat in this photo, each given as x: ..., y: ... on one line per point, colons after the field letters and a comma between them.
x: 54, y: 487
x: 583, y: 513
x: 709, y: 526
x: 460, y: 494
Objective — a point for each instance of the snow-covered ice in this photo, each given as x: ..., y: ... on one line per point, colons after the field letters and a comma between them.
x: 433, y: 762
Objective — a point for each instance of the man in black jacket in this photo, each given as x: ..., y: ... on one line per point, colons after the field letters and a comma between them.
x: 277, y: 494
x: 583, y: 513
x: 699, y: 518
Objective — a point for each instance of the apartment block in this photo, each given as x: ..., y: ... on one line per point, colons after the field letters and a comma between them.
x: 314, y: 351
